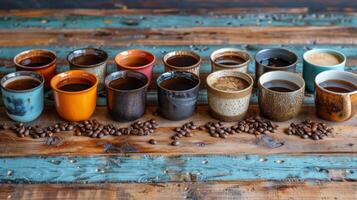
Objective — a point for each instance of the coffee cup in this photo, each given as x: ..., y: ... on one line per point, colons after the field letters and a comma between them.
x: 229, y: 94
x: 177, y: 94
x: 230, y: 58
x: 319, y: 60
x: 280, y: 95
x: 75, y: 94
x: 188, y: 61
x: 22, y: 94
x: 136, y: 60
x: 336, y: 95
x: 126, y: 94
x: 275, y: 59
x: 37, y: 60
x: 91, y: 60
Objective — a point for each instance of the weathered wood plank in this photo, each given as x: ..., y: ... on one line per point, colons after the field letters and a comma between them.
x: 344, y: 141
x: 247, y: 190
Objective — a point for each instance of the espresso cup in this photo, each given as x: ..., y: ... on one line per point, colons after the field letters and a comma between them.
x: 227, y: 102
x: 136, y: 60
x: 91, y: 60
x: 188, y: 61
x: 336, y: 95
x: 319, y: 60
x: 280, y: 95
x: 37, y: 60
x: 126, y: 95
x: 177, y: 94
x: 22, y: 94
x: 275, y: 59
x: 231, y: 59
x: 75, y: 94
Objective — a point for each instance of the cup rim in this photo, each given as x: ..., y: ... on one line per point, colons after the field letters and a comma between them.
x: 332, y: 92
x: 233, y: 50
x: 272, y: 67
x: 172, y: 73
x: 232, y: 73
x: 106, y: 81
x: 290, y: 73
x: 85, y: 49
x: 22, y: 73
x: 116, y: 59
x: 182, y: 52
x: 54, y: 60
x: 340, y: 54
x: 58, y: 76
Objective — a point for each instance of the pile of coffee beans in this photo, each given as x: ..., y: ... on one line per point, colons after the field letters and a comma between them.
x: 217, y: 129
x: 184, y: 131
x: 310, y: 129
x: 255, y: 125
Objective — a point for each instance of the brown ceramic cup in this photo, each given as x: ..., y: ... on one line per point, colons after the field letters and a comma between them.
x: 336, y: 102
x: 37, y: 60
x: 279, y: 104
x: 188, y: 61
x: 230, y: 58
x: 228, y: 105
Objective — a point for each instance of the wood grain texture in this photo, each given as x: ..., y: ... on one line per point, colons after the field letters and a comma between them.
x: 344, y: 141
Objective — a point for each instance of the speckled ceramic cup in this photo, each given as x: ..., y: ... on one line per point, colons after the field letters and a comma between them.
x: 230, y: 58
x: 280, y: 106
x: 228, y: 105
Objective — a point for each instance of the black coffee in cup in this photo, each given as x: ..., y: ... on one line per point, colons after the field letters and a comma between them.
x: 275, y: 62
x: 22, y: 83
x: 36, y: 61
x: 182, y: 61
x: 229, y: 60
x: 126, y: 83
x: 178, y: 84
x: 339, y: 86
x: 74, y: 84
x: 281, y: 86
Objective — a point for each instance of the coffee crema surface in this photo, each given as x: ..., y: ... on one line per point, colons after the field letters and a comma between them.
x: 126, y: 83
x: 178, y: 84
x: 281, y: 86
x: 21, y: 83
x: 182, y: 61
x: 36, y: 61
x: 230, y: 83
x: 74, y: 84
x: 323, y: 59
x: 339, y: 86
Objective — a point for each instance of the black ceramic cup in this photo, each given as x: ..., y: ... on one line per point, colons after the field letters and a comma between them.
x: 177, y: 94
x: 126, y: 95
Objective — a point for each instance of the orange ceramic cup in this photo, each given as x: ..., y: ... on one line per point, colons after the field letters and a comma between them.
x: 37, y: 60
x: 136, y: 60
x: 75, y: 94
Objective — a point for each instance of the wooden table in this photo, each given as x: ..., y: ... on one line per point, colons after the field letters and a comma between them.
x: 243, y: 166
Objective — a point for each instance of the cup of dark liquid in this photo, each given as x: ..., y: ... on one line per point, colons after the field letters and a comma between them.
x: 37, y: 60
x: 91, y: 60
x: 75, y: 94
x: 22, y: 94
x: 231, y: 59
x: 280, y: 95
x: 177, y: 94
x: 188, y: 61
x: 275, y: 59
x: 336, y: 95
x: 126, y: 94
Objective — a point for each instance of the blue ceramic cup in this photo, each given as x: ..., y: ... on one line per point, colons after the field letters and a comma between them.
x: 22, y: 94
x: 316, y: 61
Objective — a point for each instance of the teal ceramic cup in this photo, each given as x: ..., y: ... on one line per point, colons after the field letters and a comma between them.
x: 316, y: 61
x: 22, y: 94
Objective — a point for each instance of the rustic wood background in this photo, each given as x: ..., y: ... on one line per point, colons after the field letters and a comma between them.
x: 276, y: 166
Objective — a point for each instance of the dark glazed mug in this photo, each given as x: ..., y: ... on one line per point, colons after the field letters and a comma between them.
x: 126, y: 104
x: 177, y: 104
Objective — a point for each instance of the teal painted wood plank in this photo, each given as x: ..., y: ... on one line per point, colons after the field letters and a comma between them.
x: 178, y: 21
x: 177, y: 168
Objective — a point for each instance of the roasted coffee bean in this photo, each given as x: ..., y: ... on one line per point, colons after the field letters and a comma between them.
x: 152, y: 141
x: 309, y: 129
x: 175, y: 143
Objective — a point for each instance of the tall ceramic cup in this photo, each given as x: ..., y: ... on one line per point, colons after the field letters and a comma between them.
x: 22, y: 94
x: 319, y: 60
x: 188, y: 61
x: 281, y: 95
x: 91, y: 60
x: 230, y: 58
x: 336, y: 95
x: 37, y: 60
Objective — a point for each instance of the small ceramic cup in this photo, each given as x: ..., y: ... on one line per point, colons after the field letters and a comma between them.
x: 230, y: 58
x: 136, y: 60
x: 38, y: 60
x: 311, y: 68
x: 189, y: 61
x: 177, y: 104
x: 75, y: 105
x: 126, y: 94
x: 23, y: 103
x: 228, y: 105
x: 280, y: 105
x: 332, y: 105
x: 91, y: 60
x: 290, y: 59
